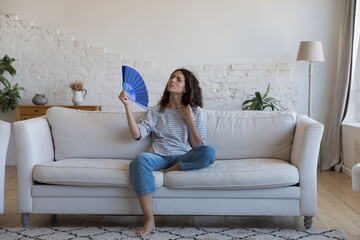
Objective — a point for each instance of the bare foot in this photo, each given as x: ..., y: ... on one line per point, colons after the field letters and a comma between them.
x: 148, y: 227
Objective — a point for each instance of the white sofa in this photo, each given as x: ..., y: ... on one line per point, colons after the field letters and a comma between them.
x: 76, y: 162
x: 5, y: 131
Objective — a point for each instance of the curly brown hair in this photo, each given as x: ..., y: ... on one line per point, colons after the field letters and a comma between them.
x: 192, y: 96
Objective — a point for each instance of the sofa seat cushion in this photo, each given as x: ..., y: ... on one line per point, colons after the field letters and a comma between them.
x: 236, y: 174
x: 88, y: 172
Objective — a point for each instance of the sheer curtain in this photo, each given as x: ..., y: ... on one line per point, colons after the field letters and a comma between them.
x: 349, y: 42
x: 353, y: 112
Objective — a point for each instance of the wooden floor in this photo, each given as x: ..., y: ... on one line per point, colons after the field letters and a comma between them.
x: 338, y: 207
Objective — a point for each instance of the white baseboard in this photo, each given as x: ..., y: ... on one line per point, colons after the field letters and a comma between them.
x: 346, y: 170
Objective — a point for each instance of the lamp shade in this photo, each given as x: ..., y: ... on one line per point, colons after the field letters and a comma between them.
x: 310, y: 51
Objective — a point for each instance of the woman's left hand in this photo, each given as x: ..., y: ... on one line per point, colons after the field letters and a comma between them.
x: 187, y: 114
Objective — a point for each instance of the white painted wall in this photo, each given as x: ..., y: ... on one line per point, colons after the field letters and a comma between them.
x: 187, y: 32
x: 47, y: 61
x: 203, y: 32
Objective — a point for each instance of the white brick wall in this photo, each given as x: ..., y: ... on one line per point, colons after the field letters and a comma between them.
x: 48, y: 60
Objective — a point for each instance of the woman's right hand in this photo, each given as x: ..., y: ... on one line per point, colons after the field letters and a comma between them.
x: 124, y: 98
x: 134, y: 129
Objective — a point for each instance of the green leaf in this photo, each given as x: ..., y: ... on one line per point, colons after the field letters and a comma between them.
x: 273, y: 107
x: 258, y: 97
x: 15, y: 86
x: 17, y: 102
x: 5, y: 65
x: 14, y: 93
x: 252, y: 106
x: 258, y: 107
x: 267, y: 91
x: 4, y: 81
x: 271, y: 99
x: 4, y: 105
x: 6, y: 91
x: 248, y: 101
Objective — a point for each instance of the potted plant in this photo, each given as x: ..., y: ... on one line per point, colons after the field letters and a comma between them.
x: 9, y: 95
x: 261, y: 102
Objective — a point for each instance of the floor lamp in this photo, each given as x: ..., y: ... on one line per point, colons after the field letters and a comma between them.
x: 311, y: 51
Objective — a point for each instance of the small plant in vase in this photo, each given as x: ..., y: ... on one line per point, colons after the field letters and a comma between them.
x: 78, y: 92
x: 260, y: 103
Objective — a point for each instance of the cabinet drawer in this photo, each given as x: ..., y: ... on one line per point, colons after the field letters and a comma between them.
x: 85, y: 108
x: 33, y: 111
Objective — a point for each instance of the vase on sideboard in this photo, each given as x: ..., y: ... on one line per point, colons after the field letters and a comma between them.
x: 40, y: 99
x: 78, y: 97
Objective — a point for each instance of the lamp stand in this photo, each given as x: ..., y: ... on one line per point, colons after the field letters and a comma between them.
x: 309, y: 96
x: 309, y: 112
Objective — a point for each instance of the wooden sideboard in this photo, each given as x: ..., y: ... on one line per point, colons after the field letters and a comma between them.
x: 24, y: 112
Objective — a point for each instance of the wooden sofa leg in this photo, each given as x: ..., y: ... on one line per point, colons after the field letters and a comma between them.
x: 25, y: 219
x: 308, y: 222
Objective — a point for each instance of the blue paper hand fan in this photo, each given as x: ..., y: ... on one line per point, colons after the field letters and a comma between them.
x: 134, y: 85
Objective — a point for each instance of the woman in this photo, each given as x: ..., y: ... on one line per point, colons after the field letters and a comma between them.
x: 178, y: 131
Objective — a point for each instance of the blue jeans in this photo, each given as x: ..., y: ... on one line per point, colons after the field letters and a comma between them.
x: 144, y: 164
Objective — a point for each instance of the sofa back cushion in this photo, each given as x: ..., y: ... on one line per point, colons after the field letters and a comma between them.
x: 82, y: 134
x: 251, y: 134
x: 233, y: 134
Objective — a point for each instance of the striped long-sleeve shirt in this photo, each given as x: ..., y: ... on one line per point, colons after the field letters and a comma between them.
x: 170, y: 133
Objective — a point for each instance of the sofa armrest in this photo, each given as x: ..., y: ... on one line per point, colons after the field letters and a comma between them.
x: 5, y: 131
x: 304, y: 156
x: 33, y: 145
